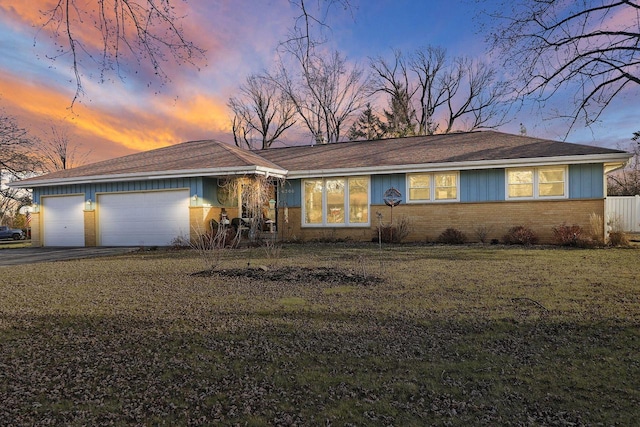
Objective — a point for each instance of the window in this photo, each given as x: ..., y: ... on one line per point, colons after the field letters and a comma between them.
x: 520, y: 183
x: 336, y: 202
x: 433, y: 186
x: 420, y: 187
x: 533, y: 183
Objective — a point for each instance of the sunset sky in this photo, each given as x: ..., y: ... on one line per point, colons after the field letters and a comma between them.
x: 122, y: 116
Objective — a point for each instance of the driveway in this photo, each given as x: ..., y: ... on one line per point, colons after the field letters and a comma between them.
x: 18, y: 256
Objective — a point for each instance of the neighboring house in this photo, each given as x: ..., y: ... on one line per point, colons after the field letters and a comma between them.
x: 462, y: 180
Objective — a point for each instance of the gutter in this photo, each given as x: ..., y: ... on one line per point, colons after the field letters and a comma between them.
x: 140, y: 176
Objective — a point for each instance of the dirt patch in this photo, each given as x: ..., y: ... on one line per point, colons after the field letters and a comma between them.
x: 296, y: 274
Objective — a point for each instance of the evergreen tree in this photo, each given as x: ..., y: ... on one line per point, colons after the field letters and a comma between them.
x: 367, y: 127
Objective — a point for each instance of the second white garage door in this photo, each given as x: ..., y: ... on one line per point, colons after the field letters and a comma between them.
x: 143, y: 219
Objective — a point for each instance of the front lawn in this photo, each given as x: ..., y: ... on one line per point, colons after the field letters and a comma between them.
x: 325, y: 335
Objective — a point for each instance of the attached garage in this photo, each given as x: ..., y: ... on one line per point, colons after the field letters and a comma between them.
x: 153, y: 218
x: 63, y: 220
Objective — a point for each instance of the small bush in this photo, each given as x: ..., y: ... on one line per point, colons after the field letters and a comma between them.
x: 452, y: 236
x: 586, y: 242
x: 567, y: 235
x: 482, y: 231
x: 618, y: 238
x: 388, y: 233
x: 520, y: 235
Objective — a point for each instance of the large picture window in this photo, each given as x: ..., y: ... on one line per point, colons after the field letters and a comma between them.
x: 336, y: 202
x: 425, y: 187
x: 534, y: 183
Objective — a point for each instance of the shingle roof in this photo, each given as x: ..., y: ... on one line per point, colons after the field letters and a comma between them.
x: 188, y: 156
x: 448, y: 148
x: 208, y: 157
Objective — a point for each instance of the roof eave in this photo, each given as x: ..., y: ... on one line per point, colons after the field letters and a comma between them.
x: 172, y: 174
x: 608, y: 158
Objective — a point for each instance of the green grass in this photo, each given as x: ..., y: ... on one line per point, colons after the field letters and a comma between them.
x: 451, y: 336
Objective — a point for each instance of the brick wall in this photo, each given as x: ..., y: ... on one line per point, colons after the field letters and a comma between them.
x: 197, y: 220
x: 36, y: 229
x: 90, y: 230
x: 427, y: 221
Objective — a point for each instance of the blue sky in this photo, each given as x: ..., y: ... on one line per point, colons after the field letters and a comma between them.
x: 120, y: 117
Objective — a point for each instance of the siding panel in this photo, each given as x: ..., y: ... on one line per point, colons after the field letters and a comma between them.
x: 485, y: 185
x: 381, y: 183
x: 290, y: 193
x: 586, y: 181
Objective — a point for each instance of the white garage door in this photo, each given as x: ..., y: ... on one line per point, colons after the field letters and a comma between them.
x: 143, y: 219
x: 63, y: 220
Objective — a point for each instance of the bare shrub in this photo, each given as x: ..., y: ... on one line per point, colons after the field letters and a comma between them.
x: 272, y: 250
x: 482, y: 231
x: 567, y: 235
x: 210, y: 245
x: 452, y: 236
x: 520, y: 235
x: 390, y: 233
x: 402, y: 228
x: 617, y: 236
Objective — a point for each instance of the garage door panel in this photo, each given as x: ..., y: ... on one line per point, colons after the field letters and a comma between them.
x: 137, y: 219
x: 63, y: 220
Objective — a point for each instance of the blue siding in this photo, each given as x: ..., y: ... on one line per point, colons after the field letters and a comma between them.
x: 586, y: 181
x: 210, y: 191
x: 194, y: 185
x: 290, y: 193
x: 381, y: 183
x: 482, y: 185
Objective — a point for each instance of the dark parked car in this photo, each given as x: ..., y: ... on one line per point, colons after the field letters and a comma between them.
x: 10, y: 233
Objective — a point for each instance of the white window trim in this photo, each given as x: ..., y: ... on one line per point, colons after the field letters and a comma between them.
x: 324, y: 223
x: 536, y: 186
x: 432, y: 187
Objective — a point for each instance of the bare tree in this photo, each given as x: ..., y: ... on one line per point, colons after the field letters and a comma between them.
x: 16, y: 162
x: 588, y: 50
x: 429, y: 94
x: 262, y: 110
x: 626, y: 182
x: 148, y: 31
x: 473, y: 95
x: 58, y: 152
x: 394, y: 80
x: 325, y: 90
x: 427, y: 65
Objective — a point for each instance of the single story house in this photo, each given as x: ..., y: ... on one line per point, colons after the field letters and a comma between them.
x: 464, y: 180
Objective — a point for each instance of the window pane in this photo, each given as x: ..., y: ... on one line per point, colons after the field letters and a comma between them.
x: 551, y: 182
x: 358, y: 200
x: 555, y: 189
x: 445, y: 180
x: 521, y: 190
x: 419, y: 187
x: 446, y: 186
x: 551, y: 175
x: 520, y: 183
x: 419, y: 194
x: 335, y: 201
x: 521, y: 177
x: 313, y: 201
